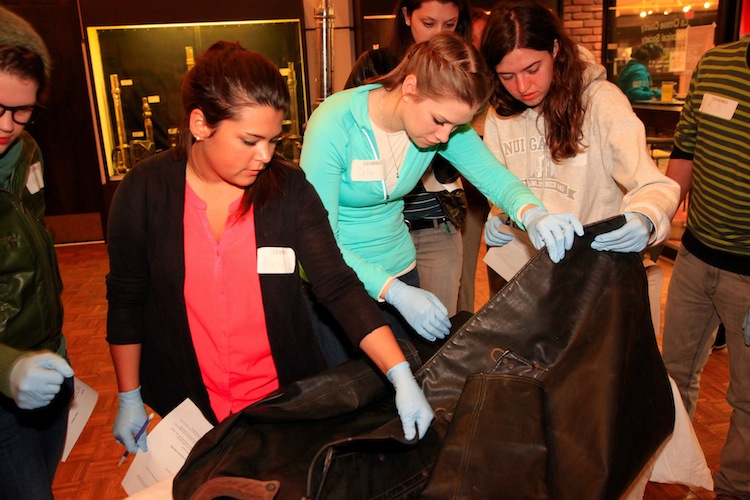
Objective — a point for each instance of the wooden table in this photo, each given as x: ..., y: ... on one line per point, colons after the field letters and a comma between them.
x: 660, y: 118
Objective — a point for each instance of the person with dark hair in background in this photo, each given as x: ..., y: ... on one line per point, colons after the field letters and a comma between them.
x: 634, y: 79
x: 710, y: 282
x: 478, y: 22
x: 204, y: 245
x: 414, y: 21
x: 36, y: 381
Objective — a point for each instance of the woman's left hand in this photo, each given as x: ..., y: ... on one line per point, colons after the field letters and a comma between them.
x: 633, y: 236
x: 555, y: 231
x: 412, y: 406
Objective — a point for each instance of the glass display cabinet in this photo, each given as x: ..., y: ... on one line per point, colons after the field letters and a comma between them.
x: 138, y: 69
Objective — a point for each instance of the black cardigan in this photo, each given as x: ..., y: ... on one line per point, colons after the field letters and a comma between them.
x: 147, y: 275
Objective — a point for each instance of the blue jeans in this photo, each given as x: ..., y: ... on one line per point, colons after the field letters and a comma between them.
x: 700, y: 297
x: 31, y: 445
x: 334, y: 343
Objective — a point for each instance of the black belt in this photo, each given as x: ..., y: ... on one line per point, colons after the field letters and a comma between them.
x: 415, y: 225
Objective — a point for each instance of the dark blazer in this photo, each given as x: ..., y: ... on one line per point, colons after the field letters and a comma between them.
x: 147, y: 275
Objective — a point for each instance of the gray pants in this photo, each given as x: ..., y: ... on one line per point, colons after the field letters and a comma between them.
x: 700, y: 297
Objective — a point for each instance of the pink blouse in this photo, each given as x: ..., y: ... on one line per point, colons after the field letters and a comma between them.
x: 225, y: 309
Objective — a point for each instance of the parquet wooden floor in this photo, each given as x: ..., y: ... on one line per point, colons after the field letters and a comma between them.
x: 91, y: 471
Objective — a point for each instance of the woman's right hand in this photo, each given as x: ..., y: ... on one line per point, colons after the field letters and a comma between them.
x: 36, y: 379
x: 493, y: 236
x: 421, y: 309
x: 131, y: 415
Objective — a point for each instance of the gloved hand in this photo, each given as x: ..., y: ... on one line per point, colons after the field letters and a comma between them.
x: 131, y: 416
x: 746, y: 326
x: 411, y: 404
x: 35, y: 380
x: 421, y: 309
x: 492, y: 234
x: 631, y: 237
x: 556, y: 231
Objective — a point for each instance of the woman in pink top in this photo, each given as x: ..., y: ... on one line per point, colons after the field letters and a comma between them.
x: 204, y: 240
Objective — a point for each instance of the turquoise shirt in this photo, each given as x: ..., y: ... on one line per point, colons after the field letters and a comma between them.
x: 635, y: 82
x: 367, y: 220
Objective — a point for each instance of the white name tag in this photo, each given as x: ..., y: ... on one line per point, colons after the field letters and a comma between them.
x: 35, y: 182
x: 368, y: 170
x: 720, y: 107
x: 276, y: 260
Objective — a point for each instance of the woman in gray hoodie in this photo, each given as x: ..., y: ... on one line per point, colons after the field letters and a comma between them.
x: 569, y: 134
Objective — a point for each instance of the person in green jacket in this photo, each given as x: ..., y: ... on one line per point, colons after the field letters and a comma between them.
x: 634, y: 80
x: 36, y: 381
x: 367, y: 147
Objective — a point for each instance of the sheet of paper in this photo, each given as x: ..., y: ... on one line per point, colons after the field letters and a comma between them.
x: 159, y: 491
x: 84, y: 401
x: 168, y: 446
x: 508, y: 259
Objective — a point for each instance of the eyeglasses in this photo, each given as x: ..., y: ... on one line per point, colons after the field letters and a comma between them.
x: 22, y: 115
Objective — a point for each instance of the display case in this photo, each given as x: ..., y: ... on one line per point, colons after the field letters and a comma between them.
x: 137, y: 71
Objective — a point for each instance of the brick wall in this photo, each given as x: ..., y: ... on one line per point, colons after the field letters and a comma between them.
x: 583, y: 20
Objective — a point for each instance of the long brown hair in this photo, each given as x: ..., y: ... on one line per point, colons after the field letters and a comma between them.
x: 519, y: 24
x: 447, y: 66
x: 227, y: 78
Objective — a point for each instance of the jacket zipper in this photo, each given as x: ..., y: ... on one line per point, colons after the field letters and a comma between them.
x: 386, y: 196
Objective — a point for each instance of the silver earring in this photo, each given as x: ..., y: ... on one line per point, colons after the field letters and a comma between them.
x: 197, y: 139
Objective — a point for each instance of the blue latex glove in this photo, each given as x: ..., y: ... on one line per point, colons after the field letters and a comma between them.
x: 412, y: 406
x: 492, y: 234
x: 131, y: 414
x: 633, y: 236
x: 746, y: 326
x: 421, y: 309
x: 35, y: 380
x: 555, y: 231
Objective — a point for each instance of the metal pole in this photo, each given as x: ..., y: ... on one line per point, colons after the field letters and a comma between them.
x: 324, y: 17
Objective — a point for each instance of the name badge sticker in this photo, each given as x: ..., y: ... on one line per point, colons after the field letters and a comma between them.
x: 368, y: 170
x: 35, y: 181
x: 276, y: 260
x: 721, y: 107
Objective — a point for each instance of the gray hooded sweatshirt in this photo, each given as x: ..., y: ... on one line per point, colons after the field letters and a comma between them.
x: 614, y: 174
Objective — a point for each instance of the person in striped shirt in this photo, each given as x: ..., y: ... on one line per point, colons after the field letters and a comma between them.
x: 711, y: 278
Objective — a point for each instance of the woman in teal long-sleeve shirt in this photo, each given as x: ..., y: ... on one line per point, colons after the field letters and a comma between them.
x: 367, y: 147
x: 634, y: 80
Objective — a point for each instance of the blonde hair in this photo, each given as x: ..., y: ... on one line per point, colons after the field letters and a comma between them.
x: 447, y: 66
